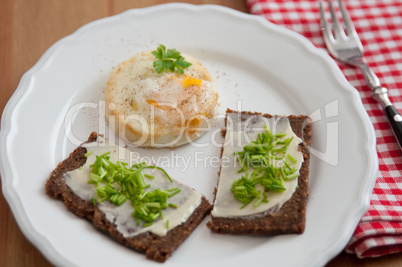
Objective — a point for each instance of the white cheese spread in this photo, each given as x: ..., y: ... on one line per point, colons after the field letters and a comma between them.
x: 241, y: 129
x: 186, y: 201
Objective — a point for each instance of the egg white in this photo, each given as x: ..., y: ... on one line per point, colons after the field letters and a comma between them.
x: 159, y: 110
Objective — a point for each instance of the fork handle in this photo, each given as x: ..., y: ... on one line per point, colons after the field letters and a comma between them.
x: 381, y: 95
x: 395, y: 120
x: 394, y: 117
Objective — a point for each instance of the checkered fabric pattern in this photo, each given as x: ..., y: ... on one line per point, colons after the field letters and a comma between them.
x: 379, y: 25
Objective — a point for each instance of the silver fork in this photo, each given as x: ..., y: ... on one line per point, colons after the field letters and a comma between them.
x: 346, y: 47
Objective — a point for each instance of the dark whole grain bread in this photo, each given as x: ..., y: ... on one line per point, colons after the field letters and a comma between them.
x: 155, y: 247
x: 291, y: 217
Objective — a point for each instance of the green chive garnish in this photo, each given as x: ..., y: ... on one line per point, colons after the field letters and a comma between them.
x: 292, y: 159
x: 118, y: 183
x: 259, y: 155
x: 291, y: 176
x: 88, y: 153
x: 149, y: 176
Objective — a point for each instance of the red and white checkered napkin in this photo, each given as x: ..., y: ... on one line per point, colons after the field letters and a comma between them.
x: 379, y: 25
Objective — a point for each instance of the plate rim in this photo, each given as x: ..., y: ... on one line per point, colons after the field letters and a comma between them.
x: 6, y: 130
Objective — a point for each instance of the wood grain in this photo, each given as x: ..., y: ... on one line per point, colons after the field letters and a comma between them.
x: 27, y: 29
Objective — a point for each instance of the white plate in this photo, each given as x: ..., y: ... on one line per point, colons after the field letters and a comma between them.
x: 257, y: 66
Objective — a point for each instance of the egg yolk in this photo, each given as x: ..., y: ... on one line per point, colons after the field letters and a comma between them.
x: 153, y: 103
x: 188, y: 81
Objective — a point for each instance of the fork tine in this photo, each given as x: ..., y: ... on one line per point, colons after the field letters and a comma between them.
x: 326, y: 32
x: 338, y: 31
x: 350, y: 29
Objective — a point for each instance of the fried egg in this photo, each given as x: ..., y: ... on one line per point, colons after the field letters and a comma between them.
x: 160, y: 110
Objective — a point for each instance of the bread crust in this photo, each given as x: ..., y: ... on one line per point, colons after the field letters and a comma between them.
x: 155, y: 247
x: 291, y: 217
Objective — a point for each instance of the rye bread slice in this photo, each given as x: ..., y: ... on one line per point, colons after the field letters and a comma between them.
x: 155, y: 247
x: 291, y: 217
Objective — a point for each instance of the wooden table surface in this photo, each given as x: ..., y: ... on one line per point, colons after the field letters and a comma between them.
x: 27, y: 29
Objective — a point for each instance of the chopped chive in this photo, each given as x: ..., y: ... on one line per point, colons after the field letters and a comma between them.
x: 149, y: 176
x: 154, y: 216
x: 292, y: 159
x: 143, y: 210
x: 88, y: 153
x: 246, y: 203
x: 172, y: 189
x: 105, y: 162
x: 241, y: 187
x: 291, y: 176
x: 153, y: 204
x: 148, y: 224
x: 167, y: 224
x: 174, y: 193
x: 93, y: 178
x: 280, y: 134
x: 159, y: 168
x: 258, y: 202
